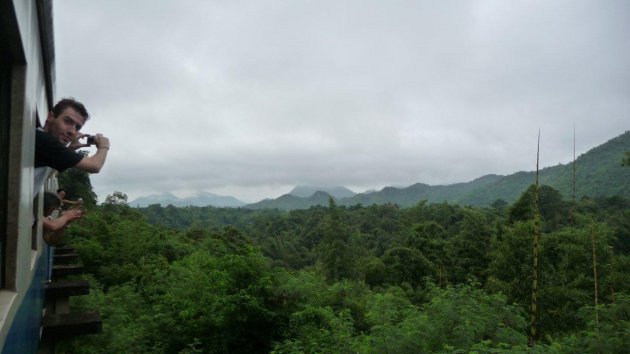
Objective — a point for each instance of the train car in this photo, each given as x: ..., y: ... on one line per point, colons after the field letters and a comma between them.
x: 27, y: 90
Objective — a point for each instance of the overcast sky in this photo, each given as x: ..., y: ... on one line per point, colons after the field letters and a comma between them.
x: 251, y: 97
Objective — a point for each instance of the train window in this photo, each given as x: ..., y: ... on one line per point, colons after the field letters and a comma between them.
x: 5, y: 112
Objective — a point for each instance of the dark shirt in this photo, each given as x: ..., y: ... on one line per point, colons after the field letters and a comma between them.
x: 52, y: 153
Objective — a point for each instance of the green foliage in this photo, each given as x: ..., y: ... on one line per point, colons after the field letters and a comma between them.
x: 464, y: 315
x: 335, y: 254
x: 467, y: 251
x: 217, y: 300
x: 350, y: 279
x: 499, y: 204
x: 125, y: 315
x: 318, y: 330
x: 77, y: 185
x: 510, y: 266
x: 611, y: 334
x: 566, y: 276
x: 116, y: 244
x: 407, y: 265
x: 429, y: 238
x: 116, y: 199
x: 598, y: 174
x: 552, y: 209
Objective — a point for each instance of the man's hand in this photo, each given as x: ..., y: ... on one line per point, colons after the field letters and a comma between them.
x: 76, y: 144
x: 94, y: 163
x: 71, y: 215
x: 101, y: 141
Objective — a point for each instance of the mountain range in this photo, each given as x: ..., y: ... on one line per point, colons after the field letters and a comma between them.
x: 199, y: 199
x: 598, y: 173
x: 297, y: 196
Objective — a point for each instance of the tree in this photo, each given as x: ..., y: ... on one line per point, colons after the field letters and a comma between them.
x: 509, y: 270
x: 499, y: 205
x: 219, y: 302
x: 465, y: 315
x: 407, y: 265
x: 115, y: 205
x: 335, y: 255
x: 77, y: 185
x: 552, y: 209
x: 609, y: 335
x: 430, y: 238
x: 117, y: 198
x: 467, y: 252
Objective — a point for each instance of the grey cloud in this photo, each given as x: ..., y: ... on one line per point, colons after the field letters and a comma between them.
x: 247, y: 96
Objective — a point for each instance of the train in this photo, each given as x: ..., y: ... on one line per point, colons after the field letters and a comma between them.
x: 27, y: 94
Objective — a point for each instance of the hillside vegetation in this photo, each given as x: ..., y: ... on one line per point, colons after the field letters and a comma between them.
x: 431, y: 278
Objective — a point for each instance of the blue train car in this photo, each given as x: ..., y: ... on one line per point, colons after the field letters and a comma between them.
x: 27, y: 84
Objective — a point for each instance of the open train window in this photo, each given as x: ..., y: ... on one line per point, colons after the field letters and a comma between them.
x: 5, y: 112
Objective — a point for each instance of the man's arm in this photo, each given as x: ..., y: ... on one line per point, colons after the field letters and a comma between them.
x: 62, y: 221
x: 94, y: 163
x: 72, y: 203
x: 54, y: 229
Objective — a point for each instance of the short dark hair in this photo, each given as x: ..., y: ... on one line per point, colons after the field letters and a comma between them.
x: 70, y: 102
x: 60, y: 190
x: 51, y: 201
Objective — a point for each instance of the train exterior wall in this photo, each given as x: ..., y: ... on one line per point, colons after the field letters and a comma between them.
x: 24, y: 332
x: 27, y: 33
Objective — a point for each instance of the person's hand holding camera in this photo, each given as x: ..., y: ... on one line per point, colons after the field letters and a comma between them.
x: 101, y: 142
x: 77, y: 144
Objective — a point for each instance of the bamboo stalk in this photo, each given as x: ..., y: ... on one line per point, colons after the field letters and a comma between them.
x: 595, y: 276
x: 612, y: 267
x: 534, y: 307
x: 572, y: 216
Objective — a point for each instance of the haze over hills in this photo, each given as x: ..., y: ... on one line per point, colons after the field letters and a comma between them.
x: 598, y: 174
x: 199, y: 199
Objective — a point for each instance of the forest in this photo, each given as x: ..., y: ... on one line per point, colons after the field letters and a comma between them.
x: 431, y: 278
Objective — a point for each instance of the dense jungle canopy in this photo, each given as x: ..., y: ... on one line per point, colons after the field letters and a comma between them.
x: 431, y: 278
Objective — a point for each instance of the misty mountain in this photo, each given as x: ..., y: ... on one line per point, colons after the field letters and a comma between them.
x: 307, y: 191
x: 598, y: 173
x: 199, y: 199
x: 411, y: 195
x: 291, y: 202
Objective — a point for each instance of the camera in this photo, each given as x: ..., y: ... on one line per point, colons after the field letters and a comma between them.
x: 90, y: 140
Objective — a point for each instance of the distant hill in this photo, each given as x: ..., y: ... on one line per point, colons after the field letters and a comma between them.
x: 307, y: 191
x: 598, y: 174
x: 292, y: 202
x: 199, y: 199
x: 411, y: 195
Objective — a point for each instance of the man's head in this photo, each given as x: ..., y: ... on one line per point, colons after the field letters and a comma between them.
x: 51, y: 202
x: 66, y: 120
x: 61, y: 193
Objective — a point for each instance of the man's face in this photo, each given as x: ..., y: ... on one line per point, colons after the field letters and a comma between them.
x: 62, y: 194
x: 65, y: 126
